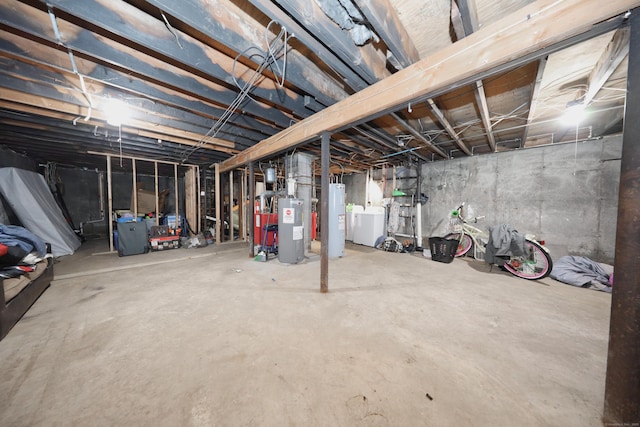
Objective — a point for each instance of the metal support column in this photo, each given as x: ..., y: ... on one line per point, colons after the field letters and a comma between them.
x: 622, y: 389
x: 155, y: 175
x: 110, y: 199
x: 218, y: 201
x: 134, y: 173
x: 324, y: 212
x: 232, y: 224
x: 251, y: 210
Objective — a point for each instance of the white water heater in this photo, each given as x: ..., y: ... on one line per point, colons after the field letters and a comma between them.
x: 290, y: 231
x: 337, y: 220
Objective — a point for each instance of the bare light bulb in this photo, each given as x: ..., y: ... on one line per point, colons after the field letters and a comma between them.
x: 116, y: 111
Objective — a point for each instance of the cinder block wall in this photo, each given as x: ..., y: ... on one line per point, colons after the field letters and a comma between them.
x: 565, y: 194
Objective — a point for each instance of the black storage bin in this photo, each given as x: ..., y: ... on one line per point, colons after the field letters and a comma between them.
x: 132, y: 238
x: 443, y: 250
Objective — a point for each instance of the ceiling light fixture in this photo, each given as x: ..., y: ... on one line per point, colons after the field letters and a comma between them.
x: 574, y: 114
x: 116, y: 111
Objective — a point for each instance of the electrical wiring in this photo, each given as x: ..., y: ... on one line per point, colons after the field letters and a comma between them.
x: 171, y: 29
x: 83, y: 87
x: 244, y: 89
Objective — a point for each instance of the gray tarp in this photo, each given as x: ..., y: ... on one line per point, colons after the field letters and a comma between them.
x: 30, y: 198
x: 581, y: 271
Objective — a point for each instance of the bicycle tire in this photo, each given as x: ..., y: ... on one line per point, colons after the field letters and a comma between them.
x: 465, y: 243
x: 537, y: 265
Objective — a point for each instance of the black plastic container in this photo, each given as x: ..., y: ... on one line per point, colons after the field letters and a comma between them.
x: 443, y: 250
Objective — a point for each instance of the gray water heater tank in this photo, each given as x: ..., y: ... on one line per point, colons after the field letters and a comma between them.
x: 337, y: 220
x: 290, y: 231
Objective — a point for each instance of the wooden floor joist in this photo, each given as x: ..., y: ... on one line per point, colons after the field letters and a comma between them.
x: 530, y: 29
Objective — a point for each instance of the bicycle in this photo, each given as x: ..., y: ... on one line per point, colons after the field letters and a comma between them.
x: 535, y: 264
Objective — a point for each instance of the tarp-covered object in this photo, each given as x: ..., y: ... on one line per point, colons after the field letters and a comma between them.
x: 582, y: 271
x: 30, y: 198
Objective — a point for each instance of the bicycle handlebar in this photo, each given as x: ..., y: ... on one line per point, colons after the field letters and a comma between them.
x: 462, y: 218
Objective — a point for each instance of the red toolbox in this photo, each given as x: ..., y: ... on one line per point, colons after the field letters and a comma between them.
x: 167, y: 242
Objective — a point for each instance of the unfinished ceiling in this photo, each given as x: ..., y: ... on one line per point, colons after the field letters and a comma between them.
x: 204, y: 80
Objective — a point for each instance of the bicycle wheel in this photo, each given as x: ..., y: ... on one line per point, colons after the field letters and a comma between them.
x: 536, y: 265
x: 465, y: 243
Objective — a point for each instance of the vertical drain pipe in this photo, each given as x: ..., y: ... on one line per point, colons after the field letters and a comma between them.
x: 418, y: 207
x: 622, y: 388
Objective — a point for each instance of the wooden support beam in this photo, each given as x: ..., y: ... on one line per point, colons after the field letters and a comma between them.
x: 522, y: 34
x: 143, y: 159
x: 535, y: 93
x: 190, y: 197
x: 447, y: 126
x: 615, y: 52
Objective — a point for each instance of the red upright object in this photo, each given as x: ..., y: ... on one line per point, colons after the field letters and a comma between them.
x: 314, y: 224
x: 263, y: 220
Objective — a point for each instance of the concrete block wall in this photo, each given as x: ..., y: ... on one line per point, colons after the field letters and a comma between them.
x: 565, y: 194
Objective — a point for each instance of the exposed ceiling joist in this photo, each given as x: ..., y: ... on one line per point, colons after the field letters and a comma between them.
x: 614, y: 54
x: 447, y: 127
x: 419, y: 137
x: 385, y: 22
x: 464, y: 20
x: 523, y: 35
x: 542, y: 63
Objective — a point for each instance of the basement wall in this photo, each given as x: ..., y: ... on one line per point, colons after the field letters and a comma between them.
x: 565, y: 194
x: 81, y: 196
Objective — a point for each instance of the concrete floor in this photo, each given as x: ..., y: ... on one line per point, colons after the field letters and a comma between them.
x: 210, y: 337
